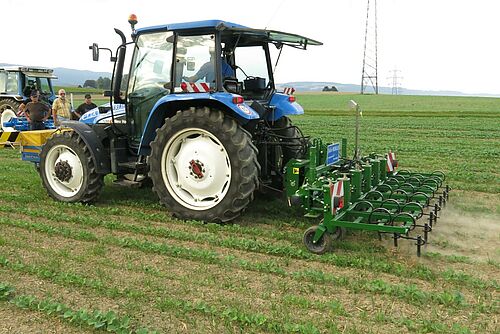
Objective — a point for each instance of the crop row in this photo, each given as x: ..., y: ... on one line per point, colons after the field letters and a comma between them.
x: 98, y: 320
x: 228, y: 314
x: 251, y: 245
x: 407, y: 292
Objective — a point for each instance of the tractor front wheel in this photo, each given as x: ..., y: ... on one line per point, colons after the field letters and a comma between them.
x: 9, y: 104
x: 67, y: 169
x: 203, y: 166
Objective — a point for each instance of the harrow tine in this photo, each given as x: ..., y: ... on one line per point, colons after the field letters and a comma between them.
x: 436, y: 210
x: 431, y: 218
x: 420, y: 242
x: 427, y: 229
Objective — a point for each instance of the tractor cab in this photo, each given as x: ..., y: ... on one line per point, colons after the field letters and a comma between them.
x: 17, y: 82
x: 216, y: 63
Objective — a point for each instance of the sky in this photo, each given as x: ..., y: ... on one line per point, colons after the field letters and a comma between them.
x: 434, y: 44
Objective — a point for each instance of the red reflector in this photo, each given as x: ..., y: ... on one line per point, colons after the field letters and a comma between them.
x: 183, y: 86
x: 238, y: 100
x: 291, y: 99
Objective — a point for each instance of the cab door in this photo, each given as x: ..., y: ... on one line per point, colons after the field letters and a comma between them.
x: 149, y: 78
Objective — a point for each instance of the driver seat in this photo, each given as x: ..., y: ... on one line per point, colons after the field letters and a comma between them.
x: 232, y: 85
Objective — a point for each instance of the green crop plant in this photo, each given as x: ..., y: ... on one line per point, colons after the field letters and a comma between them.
x: 98, y: 320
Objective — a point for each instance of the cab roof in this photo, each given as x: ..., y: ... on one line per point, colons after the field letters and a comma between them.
x: 206, y: 24
x: 34, y: 71
x: 252, y: 35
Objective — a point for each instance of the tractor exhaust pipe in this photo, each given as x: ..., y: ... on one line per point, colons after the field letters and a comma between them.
x: 119, y: 68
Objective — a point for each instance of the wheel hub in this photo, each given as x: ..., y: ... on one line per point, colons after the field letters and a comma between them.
x: 197, y: 169
x: 63, y: 171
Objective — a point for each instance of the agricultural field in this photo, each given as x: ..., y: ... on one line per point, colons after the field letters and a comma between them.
x: 124, y: 265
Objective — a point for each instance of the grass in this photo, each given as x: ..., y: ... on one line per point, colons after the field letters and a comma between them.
x: 125, y: 265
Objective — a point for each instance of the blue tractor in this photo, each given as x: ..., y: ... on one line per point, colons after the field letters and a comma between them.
x: 203, y: 121
x: 17, y: 82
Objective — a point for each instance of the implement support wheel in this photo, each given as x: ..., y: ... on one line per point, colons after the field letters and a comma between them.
x: 323, y: 245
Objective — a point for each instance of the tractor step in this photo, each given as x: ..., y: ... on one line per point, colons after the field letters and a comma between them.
x: 127, y: 183
x: 142, y: 167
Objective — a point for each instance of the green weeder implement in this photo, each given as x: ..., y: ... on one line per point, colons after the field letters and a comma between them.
x: 363, y: 193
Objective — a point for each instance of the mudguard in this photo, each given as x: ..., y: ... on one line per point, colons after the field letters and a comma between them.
x: 283, y: 107
x: 97, y: 151
x: 240, y: 110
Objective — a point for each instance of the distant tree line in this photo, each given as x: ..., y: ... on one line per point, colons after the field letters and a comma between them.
x: 101, y: 83
x: 328, y: 89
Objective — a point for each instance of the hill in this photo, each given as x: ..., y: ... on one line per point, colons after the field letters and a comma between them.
x: 317, y: 86
x: 70, y: 76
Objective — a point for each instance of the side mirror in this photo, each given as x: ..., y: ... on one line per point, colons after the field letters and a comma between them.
x: 95, y: 51
x: 107, y: 93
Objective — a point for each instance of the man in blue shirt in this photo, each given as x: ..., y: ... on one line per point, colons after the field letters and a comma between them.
x: 207, y: 71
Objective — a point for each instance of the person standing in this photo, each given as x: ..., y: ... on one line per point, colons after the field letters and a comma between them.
x: 36, y: 112
x: 61, y: 108
x: 85, y: 106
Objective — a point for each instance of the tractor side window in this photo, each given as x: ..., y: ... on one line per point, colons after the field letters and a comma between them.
x: 43, y: 85
x: 251, y: 62
x: 195, y: 60
x: 152, y: 63
x: 3, y: 82
x: 12, y: 83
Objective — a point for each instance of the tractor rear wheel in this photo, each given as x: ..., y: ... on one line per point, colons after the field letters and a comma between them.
x: 67, y: 169
x: 203, y: 166
x: 9, y: 104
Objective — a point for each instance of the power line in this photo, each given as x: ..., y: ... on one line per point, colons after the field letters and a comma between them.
x: 396, y: 81
x: 369, y: 76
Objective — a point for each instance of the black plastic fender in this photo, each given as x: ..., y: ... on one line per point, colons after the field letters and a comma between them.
x: 97, y: 151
